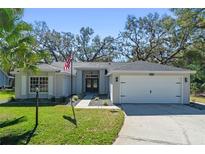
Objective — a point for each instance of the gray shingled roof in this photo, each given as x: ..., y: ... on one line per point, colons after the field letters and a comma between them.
x: 112, y: 66
x: 84, y: 65
x: 52, y: 68
x: 146, y: 66
x: 47, y: 67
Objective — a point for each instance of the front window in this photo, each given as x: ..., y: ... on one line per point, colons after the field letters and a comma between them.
x: 40, y: 82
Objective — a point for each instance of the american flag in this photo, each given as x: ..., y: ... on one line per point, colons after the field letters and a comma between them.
x: 68, y: 62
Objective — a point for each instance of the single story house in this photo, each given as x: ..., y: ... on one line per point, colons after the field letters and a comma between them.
x: 134, y: 82
x: 5, y: 80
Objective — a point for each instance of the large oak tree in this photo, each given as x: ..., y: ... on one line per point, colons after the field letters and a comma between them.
x: 94, y: 48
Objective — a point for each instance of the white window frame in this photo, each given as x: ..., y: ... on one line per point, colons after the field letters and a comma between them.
x: 39, y: 80
x: 91, y: 74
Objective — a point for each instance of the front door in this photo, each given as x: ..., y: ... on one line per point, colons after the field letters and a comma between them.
x: 92, y: 85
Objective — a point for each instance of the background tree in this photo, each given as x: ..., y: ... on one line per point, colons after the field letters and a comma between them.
x: 59, y: 45
x: 153, y: 38
x: 93, y: 48
x: 193, y: 56
x: 141, y: 38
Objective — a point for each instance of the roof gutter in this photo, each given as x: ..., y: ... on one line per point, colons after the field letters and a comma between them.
x: 16, y: 71
x: 90, y: 68
x: 163, y: 72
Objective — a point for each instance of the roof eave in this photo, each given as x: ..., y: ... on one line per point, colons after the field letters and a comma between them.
x: 16, y: 71
x: 89, y: 68
x: 164, y: 72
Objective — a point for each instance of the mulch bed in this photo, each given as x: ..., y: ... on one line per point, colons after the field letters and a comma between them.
x: 101, y: 101
x: 32, y: 102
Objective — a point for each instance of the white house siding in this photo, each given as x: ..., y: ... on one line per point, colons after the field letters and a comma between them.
x: 23, y: 85
x: 66, y: 89
x: 83, y: 82
x: 115, y: 86
x: 56, y: 85
x: 106, y: 85
x: 62, y: 87
x: 79, y: 81
x: 18, y: 85
x: 186, y: 88
x: 50, y: 85
x: 102, y: 82
x: 67, y: 85
x: 74, y: 84
x: 111, y: 88
x: 59, y: 85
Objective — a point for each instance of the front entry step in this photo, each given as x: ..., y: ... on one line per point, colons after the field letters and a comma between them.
x: 85, y: 101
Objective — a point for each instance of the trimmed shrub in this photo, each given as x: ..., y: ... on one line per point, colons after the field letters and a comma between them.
x: 12, y: 98
x: 97, y: 98
x: 105, y: 103
x: 53, y: 99
x: 75, y: 98
x: 62, y: 99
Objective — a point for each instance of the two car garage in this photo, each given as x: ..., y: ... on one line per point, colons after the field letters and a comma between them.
x: 151, y: 89
x: 144, y: 82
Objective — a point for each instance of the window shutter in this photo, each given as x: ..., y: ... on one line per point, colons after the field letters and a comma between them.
x: 50, y: 85
x: 23, y: 85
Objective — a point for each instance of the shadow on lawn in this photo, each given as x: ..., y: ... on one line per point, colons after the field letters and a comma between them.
x: 70, y: 119
x: 14, y: 139
x: 12, y: 122
x: 27, y: 104
x: 31, y: 103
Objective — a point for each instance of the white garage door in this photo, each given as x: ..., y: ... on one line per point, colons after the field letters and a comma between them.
x: 150, y: 89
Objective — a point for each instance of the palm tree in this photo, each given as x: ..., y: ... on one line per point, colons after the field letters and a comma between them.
x: 16, y: 43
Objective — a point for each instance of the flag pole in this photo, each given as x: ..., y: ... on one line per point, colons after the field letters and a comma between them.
x: 71, y: 85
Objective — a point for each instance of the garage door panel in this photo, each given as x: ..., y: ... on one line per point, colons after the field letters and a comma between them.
x: 150, y: 89
x: 150, y: 100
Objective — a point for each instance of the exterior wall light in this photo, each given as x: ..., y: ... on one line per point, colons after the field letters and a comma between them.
x: 116, y: 79
x: 185, y: 79
x: 151, y: 74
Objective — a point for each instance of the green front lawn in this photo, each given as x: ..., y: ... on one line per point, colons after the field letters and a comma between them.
x: 95, y: 126
x: 197, y: 99
x: 6, y: 94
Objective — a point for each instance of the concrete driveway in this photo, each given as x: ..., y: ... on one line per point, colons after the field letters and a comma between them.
x: 162, y: 124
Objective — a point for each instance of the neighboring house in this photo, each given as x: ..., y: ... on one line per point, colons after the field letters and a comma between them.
x: 135, y: 82
x: 5, y: 80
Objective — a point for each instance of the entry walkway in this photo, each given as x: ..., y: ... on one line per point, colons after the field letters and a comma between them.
x: 100, y: 107
x: 84, y: 103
